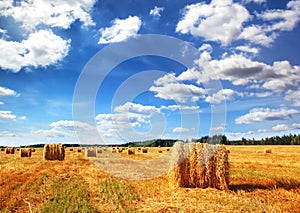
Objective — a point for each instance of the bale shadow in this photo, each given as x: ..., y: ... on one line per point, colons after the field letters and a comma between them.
x: 285, y: 183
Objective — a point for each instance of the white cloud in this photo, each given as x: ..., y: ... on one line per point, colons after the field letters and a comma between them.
x: 178, y: 92
x: 180, y: 130
x: 6, y: 91
x: 206, y: 47
x: 255, y: 1
x: 266, y: 114
x: 121, y: 30
x: 257, y: 35
x: 221, y: 20
x: 179, y: 107
x: 156, y: 11
x: 222, y: 95
x: 7, y: 115
x: 248, y: 49
x: 61, y: 14
x: 41, y: 48
x: 1, y: 103
x: 290, y: 96
x: 136, y: 108
x: 283, y: 20
x: 7, y: 134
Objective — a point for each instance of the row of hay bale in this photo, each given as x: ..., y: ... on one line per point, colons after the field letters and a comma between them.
x: 199, y: 165
x: 13, y: 150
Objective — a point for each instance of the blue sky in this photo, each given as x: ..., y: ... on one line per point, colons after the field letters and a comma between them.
x: 248, y: 48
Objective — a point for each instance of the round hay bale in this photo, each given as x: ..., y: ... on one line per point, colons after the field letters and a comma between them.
x: 10, y: 150
x: 79, y: 150
x: 90, y: 153
x: 2, y: 149
x: 268, y: 151
x: 160, y: 151
x: 168, y: 149
x: 71, y: 149
x: 144, y: 150
x: 17, y: 149
x: 25, y: 153
x: 99, y: 151
x: 130, y: 151
x: 32, y: 149
x: 54, y: 152
x: 139, y: 148
x: 199, y: 165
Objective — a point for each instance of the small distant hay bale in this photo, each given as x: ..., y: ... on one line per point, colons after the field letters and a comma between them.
x: 54, y: 152
x: 10, y: 150
x: 120, y: 150
x: 268, y: 151
x: 123, y: 148
x: 160, y: 151
x: 90, y: 153
x: 168, y: 149
x: 113, y: 150
x: 99, y: 151
x: 25, y: 153
x: 32, y: 149
x: 139, y: 148
x: 79, y: 150
x: 71, y: 149
x: 2, y: 149
x: 130, y: 151
x: 17, y: 149
x: 144, y: 150
x: 199, y: 165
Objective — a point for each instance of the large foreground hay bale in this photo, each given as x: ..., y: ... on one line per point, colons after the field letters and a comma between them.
x: 25, y: 153
x: 54, y: 152
x: 10, y: 150
x: 199, y: 165
x: 90, y: 153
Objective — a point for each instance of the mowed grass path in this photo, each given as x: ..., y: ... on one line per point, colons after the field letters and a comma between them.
x: 259, y: 182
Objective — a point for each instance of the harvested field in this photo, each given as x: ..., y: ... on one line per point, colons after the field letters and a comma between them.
x: 259, y: 182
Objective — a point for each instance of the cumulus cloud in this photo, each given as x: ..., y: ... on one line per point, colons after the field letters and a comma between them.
x: 121, y: 30
x: 156, y: 11
x: 248, y: 49
x: 180, y: 130
x: 218, y: 21
x: 266, y: 114
x: 222, y: 95
x: 32, y: 14
x: 179, y: 107
x: 7, y: 92
x: 5, y: 114
x: 41, y: 48
x: 7, y: 134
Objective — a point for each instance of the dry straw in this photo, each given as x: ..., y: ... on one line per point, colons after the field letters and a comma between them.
x: 25, y: 153
x: 90, y: 153
x: 54, y: 152
x: 10, y: 150
x: 199, y: 165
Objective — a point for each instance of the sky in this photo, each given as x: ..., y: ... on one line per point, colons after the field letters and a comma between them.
x: 242, y: 78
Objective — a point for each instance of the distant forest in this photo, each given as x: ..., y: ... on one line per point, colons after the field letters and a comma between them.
x: 222, y: 139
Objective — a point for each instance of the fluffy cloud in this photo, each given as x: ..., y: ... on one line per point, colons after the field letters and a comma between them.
x: 32, y: 14
x: 169, y: 88
x: 6, y: 91
x: 179, y: 107
x: 41, y: 48
x: 240, y: 70
x: 7, y: 115
x: 248, y: 49
x: 7, y: 134
x: 121, y: 30
x: 156, y: 11
x: 180, y: 130
x: 218, y: 21
x: 136, y: 108
x: 266, y: 114
x: 222, y: 95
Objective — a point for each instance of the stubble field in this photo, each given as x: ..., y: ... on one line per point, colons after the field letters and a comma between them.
x: 259, y: 182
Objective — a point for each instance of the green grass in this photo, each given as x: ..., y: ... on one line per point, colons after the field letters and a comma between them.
x: 120, y: 194
x: 69, y: 196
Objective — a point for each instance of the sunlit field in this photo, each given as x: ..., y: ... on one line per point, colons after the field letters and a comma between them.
x: 259, y: 182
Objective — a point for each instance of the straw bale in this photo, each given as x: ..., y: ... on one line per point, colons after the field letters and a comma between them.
x: 25, y: 153
x: 144, y: 150
x: 268, y: 151
x: 199, y: 165
x: 130, y: 151
x: 10, y: 150
x: 54, y: 152
x: 90, y: 153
